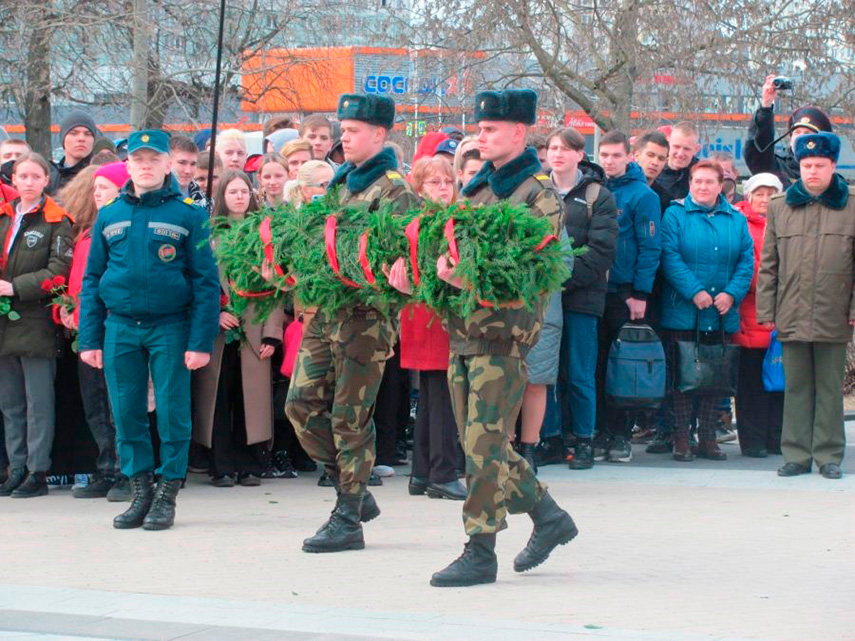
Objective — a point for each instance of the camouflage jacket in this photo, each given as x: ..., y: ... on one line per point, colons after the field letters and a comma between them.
x: 507, y: 332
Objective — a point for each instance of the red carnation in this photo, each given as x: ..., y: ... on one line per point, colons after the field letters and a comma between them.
x: 59, y: 280
x: 47, y: 285
x: 224, y: 299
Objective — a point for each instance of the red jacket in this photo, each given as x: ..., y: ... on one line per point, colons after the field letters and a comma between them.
x: 423, y: 348
x: 7, y: 193
x: 751, y: 334
x: 78, y: 268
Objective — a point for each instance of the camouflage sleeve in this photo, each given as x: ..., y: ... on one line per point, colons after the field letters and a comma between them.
x: 546, y: 202
x: 403, y: 199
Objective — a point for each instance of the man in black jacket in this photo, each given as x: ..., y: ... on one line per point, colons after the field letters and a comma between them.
x: 760, y: 153
x: 591, y: 221
x: 77, y: 133
x: 684, y: 145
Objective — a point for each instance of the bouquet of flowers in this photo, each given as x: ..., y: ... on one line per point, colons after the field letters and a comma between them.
x: 57, y: 287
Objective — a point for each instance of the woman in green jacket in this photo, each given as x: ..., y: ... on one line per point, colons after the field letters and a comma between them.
x: 35, y: 234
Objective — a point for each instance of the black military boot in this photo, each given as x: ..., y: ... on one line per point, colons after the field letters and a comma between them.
x: 370, y: 510
x: 527, y: 452
x: 141, y: 497
x: 17, y: 475
x: 477, y: 564
x: 552, y: 527
x: 34, y: 485
x: 343, y: 531
x: 161, y: 516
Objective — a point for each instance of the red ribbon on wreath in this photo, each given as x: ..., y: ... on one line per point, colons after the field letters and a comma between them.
x: 244, y: 294
x: 411, y: 231
x: 332, y: 256
x: 266, y: 235
x: 363, y: 259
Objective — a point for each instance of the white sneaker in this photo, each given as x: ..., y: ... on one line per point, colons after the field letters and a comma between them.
x: 384, y: 471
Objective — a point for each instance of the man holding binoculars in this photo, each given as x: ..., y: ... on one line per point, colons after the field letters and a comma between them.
x: 760, y: 153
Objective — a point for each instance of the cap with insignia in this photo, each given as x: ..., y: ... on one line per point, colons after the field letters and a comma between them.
x: 812, y: 118
x: 153, y: 139
x: 371, y: 108
x: 821, y: 145
x: 512, y: 105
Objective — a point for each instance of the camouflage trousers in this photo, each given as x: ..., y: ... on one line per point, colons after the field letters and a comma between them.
x: 486, y: 394
x: 331, y: 399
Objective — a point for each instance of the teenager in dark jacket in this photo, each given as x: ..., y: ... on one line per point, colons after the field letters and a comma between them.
x: 630, y: 279
x: 77, y: 133
x: 35, y: 246
x: 590, y: 218
x: 760, y: 153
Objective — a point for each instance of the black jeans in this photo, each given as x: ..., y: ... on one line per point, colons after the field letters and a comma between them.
x: 435, y: 435
x: 759, y: 414
x: 230, y: 453
x: 392, y: 408
x: 96, y: 407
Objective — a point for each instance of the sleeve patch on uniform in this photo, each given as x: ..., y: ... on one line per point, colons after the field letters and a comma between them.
x: 115, y: 229
x: 542, y: 177
x: 394, y: 175
x: 652, y: 229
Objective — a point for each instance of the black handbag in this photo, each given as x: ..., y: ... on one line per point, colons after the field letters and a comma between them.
x: 707, y: 370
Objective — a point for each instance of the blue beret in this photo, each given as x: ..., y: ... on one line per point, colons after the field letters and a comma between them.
x: 512, y: 105
x: 153, y: 139
x: 821, y: 145
x: 374, y: 109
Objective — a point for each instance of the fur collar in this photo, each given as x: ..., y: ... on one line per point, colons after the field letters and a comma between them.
x: 505, y: 180
x: 358, y: 179
x: 835, y: 197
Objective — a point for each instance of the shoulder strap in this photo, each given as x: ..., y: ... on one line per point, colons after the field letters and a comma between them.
x: 592, y: 192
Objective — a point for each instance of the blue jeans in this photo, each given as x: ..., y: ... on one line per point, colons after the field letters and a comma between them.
x: 577, y: 374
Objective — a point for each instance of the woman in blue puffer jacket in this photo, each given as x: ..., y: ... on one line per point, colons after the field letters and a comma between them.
x: 708, y: 263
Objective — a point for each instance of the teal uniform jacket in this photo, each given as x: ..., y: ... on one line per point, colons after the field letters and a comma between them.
x: 150, y: 263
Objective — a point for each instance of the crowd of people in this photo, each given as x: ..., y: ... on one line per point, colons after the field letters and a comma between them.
x: 115, y: 310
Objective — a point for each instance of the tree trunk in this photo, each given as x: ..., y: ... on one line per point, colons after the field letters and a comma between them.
x: 36, y: 107
x: 139, y: 97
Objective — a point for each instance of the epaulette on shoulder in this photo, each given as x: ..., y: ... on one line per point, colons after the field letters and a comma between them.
x: 394, y: 176
x: 780, y: 195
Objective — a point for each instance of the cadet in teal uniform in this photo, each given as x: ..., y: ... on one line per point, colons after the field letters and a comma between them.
x: 150, y: 304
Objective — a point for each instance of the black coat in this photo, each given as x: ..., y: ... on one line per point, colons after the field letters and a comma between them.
x: 585, y: 291
x: 761, y: 133
x: 60, y: 175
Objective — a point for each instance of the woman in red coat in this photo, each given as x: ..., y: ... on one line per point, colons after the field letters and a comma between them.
x: 759, y: 414
x: 424, y: 348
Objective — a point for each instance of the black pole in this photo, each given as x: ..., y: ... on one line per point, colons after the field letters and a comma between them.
x: 216, y: 111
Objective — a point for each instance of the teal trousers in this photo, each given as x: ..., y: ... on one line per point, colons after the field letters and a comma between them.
x: 132, y: 351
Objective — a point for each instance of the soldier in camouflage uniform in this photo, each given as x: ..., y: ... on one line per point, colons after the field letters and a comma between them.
x: 342, y: 356
x: 487, y: 370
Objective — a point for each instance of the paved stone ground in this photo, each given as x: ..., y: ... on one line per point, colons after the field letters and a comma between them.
x: 670, y: 551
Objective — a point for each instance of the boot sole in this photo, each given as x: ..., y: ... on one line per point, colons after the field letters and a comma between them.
x: 462, y: 584
x: 126, y: 526
x: 562, y: 541
x: 439, y: 495
x: 359, y: 545
x: 154, y: 527
x: 98, y: 495
x: 415, y: 491
x: 29, y: 496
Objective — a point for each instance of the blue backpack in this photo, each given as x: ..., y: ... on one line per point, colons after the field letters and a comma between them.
x: 635, y: 374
